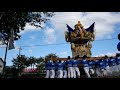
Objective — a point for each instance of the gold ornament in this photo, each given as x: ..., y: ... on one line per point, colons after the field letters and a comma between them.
x: 77, y: 37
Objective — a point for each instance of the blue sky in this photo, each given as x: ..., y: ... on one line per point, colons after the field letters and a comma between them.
x: 107, y: 26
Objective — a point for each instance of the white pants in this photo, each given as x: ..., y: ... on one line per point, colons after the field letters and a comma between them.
x: 76, y: 69
x: 115, y: 70
x: 64, y: 73
x: 118, y: 67
x: 103, y: 72
x: 52, y: 73
x: 60, y: 73
x: 47, y: 74
x: 92, y: 71
x: 111, y: 71
x: 70, y: 72
x: 108, y: 72
x: 86, y: 69
x: 97, y: 71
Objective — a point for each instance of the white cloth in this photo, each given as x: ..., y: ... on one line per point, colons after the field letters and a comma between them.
x: 52, y: 73
x: 118, y: 67
x: 60, y: 73
x: 47, y: 74
x: 76, y: 72
x: 108, y: 72
x: 92, y: 71
x: 111, y: 70
x: 70, y: 72
x: 115, y: 70
x: 86, y: 69
x: 97, y: 71
x: 103, y: 72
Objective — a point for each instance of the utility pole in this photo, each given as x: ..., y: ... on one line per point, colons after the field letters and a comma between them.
x: 19, y: 50
x: 5, y: 58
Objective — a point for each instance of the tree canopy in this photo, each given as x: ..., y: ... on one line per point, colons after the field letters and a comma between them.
x: 16, y: 21
x: 51, y: 55
x: 20, y: 62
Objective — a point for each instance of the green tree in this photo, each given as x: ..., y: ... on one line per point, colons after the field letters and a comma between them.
x: 50, y: 56
x: 32, y: 61
x: 16, y: 21
x: 20, y: 62
x: 40, y: 65
x: 11, y: 72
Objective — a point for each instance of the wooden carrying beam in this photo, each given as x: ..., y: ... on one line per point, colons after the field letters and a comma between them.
x: 91, y: 58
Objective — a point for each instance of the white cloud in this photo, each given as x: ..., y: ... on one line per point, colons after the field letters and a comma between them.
x: 16, y: 46
x: 31, y: 28
x: 104, y: 26
x: 105, y: 23
x: 50, y: 36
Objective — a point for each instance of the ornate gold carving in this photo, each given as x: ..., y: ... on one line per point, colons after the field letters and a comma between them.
x: 77, y: 38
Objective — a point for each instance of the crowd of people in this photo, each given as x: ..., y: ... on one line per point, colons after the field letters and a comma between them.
x: 103, y: 67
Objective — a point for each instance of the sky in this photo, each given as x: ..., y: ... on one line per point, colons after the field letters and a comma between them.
x: 51, y: 39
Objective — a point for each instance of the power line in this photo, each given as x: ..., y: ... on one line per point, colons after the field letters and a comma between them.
x: 61, y: 43
x: 44, y: 45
